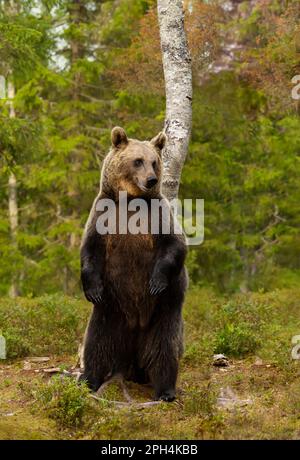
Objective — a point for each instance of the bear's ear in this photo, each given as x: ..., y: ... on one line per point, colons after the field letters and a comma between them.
x: 159, y: 141
x: 118, y: 137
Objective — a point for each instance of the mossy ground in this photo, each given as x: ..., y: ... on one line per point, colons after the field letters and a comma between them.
x: 262, y: 382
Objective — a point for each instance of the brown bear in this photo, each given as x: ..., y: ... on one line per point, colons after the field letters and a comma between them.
x: 136, y: 281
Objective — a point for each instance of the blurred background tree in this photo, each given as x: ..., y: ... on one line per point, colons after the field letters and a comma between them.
x: 79, y: 68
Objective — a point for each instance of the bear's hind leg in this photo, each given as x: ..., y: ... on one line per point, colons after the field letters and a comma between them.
x: 104, y: 347
x: 164, y: 376
x: 162, y: 350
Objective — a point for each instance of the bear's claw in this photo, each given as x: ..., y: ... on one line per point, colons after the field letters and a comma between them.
x: 157, y: 286
x: 94, y: 295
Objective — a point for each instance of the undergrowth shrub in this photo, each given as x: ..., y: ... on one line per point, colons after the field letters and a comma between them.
x: 64, y: 400
x: 52, y: 324
x: 241, y: 324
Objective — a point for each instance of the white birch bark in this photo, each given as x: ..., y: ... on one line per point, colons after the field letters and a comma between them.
x: 178, y: 84
x: 13, y: 211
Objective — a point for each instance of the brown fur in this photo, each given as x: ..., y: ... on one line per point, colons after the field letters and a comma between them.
x: 118, y: 174
x: 135, y: 281
x: 129, y: 274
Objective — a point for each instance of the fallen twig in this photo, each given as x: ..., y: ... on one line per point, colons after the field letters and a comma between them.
x: 126, y: 404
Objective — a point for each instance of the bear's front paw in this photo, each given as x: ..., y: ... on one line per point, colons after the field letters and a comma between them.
x: 158, y: 283
x: 94, y: 294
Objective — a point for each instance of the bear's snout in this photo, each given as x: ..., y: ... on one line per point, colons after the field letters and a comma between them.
x: 151, y: 181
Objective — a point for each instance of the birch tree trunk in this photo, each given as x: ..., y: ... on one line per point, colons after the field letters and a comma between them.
x: 178, y: 83
x: 13, y: 197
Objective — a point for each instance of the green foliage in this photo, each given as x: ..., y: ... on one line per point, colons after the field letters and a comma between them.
x: 237, y: 341
x: 42, y: 326
x: 120, y: 20
x: 23, y: 43
x: 245, y: 325
x: 241, y: 325
x: 64, y: 401
x: 65, y: 59
x: 250, y: 187
x: 272, y: 386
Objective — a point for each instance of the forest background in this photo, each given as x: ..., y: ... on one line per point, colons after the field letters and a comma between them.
x: 70, y: 70
x: 79, y: 68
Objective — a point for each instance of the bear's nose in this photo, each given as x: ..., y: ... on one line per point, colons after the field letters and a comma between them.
x: 151, y: 181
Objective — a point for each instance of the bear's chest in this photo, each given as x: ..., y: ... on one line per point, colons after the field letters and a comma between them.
x: 131, y: 248
x: 128, y: 268
x: 130, y: 255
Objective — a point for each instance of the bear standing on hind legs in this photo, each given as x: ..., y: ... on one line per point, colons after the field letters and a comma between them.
x: 135, y: 280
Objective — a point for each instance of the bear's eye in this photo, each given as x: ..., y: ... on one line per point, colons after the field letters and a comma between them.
x: 138, y: 163
x: 154, y: 164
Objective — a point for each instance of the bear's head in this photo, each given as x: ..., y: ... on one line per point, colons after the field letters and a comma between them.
x: 133, y: 166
